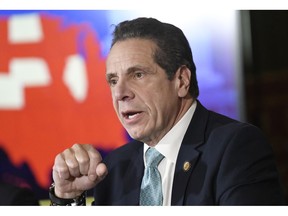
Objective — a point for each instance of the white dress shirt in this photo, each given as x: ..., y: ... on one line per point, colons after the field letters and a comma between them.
x: 169, y: 146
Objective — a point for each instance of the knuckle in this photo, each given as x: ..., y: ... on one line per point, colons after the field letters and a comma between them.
x: 72, y: 164
x: 76, y: 146
x: 83, y: 160
x: 62, y: 169
x: 95, y: 156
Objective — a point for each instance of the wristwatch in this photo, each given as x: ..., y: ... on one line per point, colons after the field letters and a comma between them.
x: 56, y: 201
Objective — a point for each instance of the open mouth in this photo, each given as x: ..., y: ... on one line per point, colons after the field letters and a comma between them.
x: 130, y: 114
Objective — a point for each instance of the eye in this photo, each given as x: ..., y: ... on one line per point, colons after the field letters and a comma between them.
x: 138, y: 75
x: 112, y: 81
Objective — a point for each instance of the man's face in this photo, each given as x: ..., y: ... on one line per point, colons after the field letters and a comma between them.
x: 145, y: 101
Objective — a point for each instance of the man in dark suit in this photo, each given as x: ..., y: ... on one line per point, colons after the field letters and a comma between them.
x: 209, y: 159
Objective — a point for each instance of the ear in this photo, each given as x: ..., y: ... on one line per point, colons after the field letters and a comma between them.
x: 183, y: 76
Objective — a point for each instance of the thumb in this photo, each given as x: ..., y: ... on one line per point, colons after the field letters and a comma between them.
x: 101, y: 172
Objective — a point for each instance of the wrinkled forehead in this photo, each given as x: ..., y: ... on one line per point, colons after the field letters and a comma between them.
x: 130, y: 52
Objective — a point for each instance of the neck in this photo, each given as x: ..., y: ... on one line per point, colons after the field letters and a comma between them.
x: 183, y: 108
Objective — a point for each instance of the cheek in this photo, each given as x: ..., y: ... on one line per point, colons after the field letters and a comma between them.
x: 115, y: 106
x: 166, y: 107
x: 158, y: 111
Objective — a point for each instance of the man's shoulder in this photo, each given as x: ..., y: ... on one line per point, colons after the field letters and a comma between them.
x: 226, y: 126
x: 223, y: 125
x: 132, y: 145
x: 125, y: 151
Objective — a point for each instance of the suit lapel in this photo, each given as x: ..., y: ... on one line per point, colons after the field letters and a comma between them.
x: 188, y: 154
x: 133, y: 177
x: 189, y: 158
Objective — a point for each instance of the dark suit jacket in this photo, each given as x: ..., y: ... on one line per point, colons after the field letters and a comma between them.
x: 231, y: 164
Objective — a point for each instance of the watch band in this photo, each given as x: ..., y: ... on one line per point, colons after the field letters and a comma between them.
x: 56, y: 201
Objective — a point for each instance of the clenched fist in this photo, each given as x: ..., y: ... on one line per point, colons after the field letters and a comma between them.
x: 77, y: 169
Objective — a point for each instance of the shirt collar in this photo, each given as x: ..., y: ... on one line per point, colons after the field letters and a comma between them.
x: 170, y: 144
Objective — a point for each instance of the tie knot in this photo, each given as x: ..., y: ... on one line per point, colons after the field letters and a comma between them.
x: 153, y: 157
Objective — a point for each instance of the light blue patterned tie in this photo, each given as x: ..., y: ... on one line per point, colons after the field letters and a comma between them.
x: 151, y: 187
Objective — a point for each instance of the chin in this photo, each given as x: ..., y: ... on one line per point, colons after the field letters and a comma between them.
x: 136, y: 137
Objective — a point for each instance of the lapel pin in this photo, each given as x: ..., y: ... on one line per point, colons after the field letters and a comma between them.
x: 186, y: 166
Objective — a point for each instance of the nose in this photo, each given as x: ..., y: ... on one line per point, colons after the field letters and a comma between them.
x: 122, y: 91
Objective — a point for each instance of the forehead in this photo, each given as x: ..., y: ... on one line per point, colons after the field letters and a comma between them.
x: 130, y: 51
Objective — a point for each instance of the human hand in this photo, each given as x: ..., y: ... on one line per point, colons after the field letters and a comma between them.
x: 77, y: 169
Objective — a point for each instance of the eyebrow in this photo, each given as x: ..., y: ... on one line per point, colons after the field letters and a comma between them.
x: 110, y: 75
x: 129, y: 71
